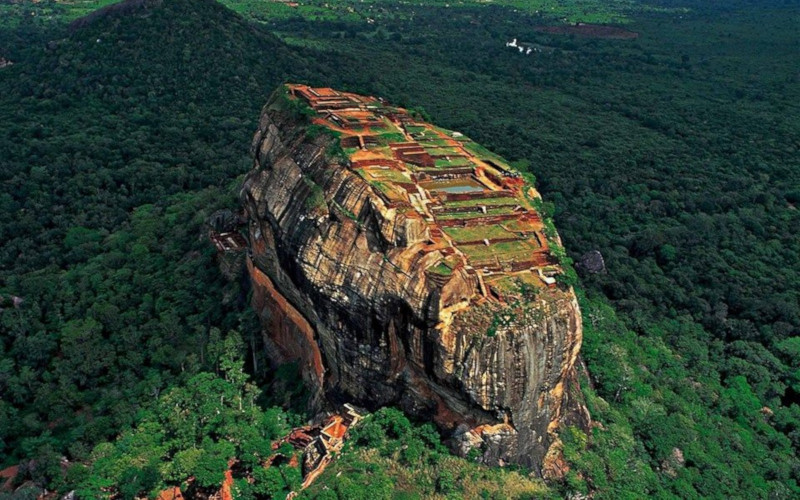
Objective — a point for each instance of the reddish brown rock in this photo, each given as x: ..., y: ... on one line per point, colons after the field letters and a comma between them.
x: 343, y: 283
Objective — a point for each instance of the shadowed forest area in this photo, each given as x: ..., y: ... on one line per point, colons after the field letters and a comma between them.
x: 674, y: 154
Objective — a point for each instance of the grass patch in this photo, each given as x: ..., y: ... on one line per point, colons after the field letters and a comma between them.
x: 475, y: 215
x: 520, y: 250
x: 459, y: 162
x: 441, y: 268
x: 433, y: 140
x: 477, y: 233
x: 457, y: 215
x: 317, y: 197
x: 415, y: 129
x: 439, y: 151
x: 521, y: 226
x: 488, y: 202
x: 386, y: 139
x: 523, y: 283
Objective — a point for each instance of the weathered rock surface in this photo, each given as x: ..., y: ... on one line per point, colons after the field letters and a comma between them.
x: 592, y: 262
x: 340, y: 284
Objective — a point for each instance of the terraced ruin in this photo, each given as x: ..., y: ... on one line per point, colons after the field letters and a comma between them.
x: 479, y: 212
x: 403, y: 264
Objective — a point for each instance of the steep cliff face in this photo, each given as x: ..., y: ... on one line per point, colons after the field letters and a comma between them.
x: 402, y: 265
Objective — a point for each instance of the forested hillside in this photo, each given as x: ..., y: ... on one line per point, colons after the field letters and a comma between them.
x: 673, y: 154
x: 119, y: 140
x: 122, y: 138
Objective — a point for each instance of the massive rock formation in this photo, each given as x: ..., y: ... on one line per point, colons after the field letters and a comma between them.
x: 402, y: 264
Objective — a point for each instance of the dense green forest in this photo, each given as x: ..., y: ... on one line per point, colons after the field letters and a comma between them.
x: 675, y: 155
x: 118, y: 143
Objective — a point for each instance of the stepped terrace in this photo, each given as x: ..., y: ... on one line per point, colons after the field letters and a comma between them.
x: 479, y: 211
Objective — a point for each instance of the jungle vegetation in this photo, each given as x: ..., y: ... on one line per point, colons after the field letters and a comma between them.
x: 673, y: 154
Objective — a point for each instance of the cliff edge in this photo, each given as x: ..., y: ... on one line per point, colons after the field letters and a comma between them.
x: 403, y: 264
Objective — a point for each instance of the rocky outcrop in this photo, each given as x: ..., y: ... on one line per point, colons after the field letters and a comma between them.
x: 591, y: 262
x: 343, y: 284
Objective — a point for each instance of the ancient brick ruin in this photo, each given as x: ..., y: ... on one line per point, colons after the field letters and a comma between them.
x: 476, y: 206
